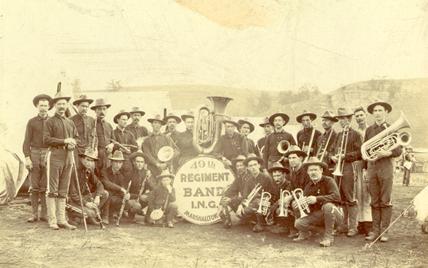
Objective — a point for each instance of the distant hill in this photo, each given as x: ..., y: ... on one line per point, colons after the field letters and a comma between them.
x: 409, y: 96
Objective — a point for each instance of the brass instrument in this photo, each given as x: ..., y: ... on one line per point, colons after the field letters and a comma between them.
x: 207, y: 129
x: 338, y: 169
x: 282, y: 148
x: 282, y: 195
x: 264, y: 204
x: 387, y: 140
x: 311, y: 141
x: 323, y: 149
x: 165, y: 153
x: 251, y: 195
x: 301, y: 202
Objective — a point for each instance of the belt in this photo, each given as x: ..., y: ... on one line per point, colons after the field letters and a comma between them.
x: 59, y: 147
x: 38, y: 150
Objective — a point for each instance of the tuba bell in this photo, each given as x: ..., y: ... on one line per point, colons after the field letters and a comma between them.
x: 207, y: 129
x: 389, y: 139
x: 283, y: 146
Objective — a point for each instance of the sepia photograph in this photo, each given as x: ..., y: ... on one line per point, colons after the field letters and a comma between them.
x: 214, y: 133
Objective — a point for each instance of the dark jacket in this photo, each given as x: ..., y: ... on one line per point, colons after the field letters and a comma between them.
x: 157, y: 197
x: 304, y: 137
x: 104, y: 133
x: 137, y: 178
x: 34, y: 135
x: 321, y: 143
x: 271, y: 153
x: 114, y: 182
x: 88, y: 177
x: 298, y: 178
x: 353, y: 146
x: 230, y: 147
x: 85, y: 128
x: 58, y: 128
x: 325, y: 191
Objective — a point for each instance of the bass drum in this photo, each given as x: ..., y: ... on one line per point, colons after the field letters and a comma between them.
x: 199, y: 185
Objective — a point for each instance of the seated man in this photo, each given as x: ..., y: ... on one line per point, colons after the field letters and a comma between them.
x: 162, y: 199
x: 322, y: 195
x: 114, y: 182
x: 94, y: 197
x: 142, y: 183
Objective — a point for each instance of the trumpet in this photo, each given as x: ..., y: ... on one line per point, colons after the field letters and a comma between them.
x: 251, y: 195
x: 264, y: 204
x: 282, y: 195
x: 387, y: 140
x: 338, y: 170
x: 301, y: 202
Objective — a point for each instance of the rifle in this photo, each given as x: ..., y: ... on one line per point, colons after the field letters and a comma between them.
x: 122, y: 207
x: 97, y: 210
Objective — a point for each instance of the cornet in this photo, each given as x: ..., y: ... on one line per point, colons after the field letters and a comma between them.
x: 264, y: 204
x: 283, y: 194
x: 251, y: 195
x: 301, y: 202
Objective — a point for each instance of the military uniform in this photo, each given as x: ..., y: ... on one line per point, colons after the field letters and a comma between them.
x: 113, y: 183
x: 151, y: 146
x: 298, y: 178
x: 185, y: 144
x: 125, y: 137
x: 104, y: 134
x: 231, y: 146
x: 136, y: 203
x: 271, y: 153
x: 137, y: 130
x: 85, y: 127
x: 329, y: 151
x: 304, y: 137
x: 158, y: 198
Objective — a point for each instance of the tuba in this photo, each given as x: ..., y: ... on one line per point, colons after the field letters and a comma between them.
x: 207, y: 129
x: 301, y: 202
x: 387, y: 140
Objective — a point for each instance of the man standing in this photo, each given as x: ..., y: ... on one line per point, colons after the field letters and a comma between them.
x: 325, y: 142
x: 380, y: 173
x: 268, y: 129
x: 271, y: 154
x: 139, y: 132
x: 362, y: 183
x: 308, y: 135
x: 171, y: 126
x: 153, y: 143
x: 322, y: 196
x: 124, y: 139
x: 408, y: 160
x: 231, y: 144
x: 84, y: 124
x: 104, y: 132
x: 60, y: 134
x: 245, y: 128
x: 348, y: 150
x: 35, y: 152
x: 185, y: 140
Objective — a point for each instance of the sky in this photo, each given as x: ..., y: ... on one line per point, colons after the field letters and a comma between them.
x: 256, y: 44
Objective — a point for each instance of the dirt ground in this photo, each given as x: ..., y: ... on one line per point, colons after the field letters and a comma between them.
x: 33, y: 245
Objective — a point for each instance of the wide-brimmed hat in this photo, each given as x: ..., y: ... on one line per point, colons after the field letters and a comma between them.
x: 100, y: 103
x: 277, y: 166
x: 314, y: 161
x: 386, y: 105
x: 245, y: 121
x: 294, y: 149
x: 284, y: 116
x: 82, y: 98
x: 156, y: 118
x: 137, y: 110
x: 344, y: 112
x: 172, y: 116
x: 229, y: 121
x: 41, y: 97
x: 91, y: 153
x: 121, y: 112
x: 359, y: 109
x: 136, y: 154
x: 117, y: 156
x: 59, y: 96
x: 330, y: 116
x: 251, y: 157
x: 165, y: 174
x: 311, y: 115
x: 239, y: 158
x: 187, y: 115
x: 265, y: 122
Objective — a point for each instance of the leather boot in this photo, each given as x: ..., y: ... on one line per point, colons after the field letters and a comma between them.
x: 105, y: 213
x: 259, y: 227
x: 386, y: 214
x: 60, y: 209
x: 375, y: 225
x: 43, y: 212
x: 352, y: 215
x: 34, y: 197
x: 343, y: 227
x: 51, y: 209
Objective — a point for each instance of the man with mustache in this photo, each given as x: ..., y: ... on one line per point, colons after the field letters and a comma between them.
x: 324, y: 146
x: 185, y: 140
x: 125, y: 138
x: 35, y: 152
x: 268, y: 129
x: 104, y: 132
x: 84, y: 123
x: 231, y: 144
x: 60, y: 134
x: 304, y: 136
x: 139, y: 132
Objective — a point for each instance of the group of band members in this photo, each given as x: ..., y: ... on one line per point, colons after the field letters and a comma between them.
x: 113, y: 169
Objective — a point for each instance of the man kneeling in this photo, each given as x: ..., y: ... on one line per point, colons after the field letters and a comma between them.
x: 322, y: 195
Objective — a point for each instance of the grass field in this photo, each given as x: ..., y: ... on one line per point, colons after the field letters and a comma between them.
x: 134, y: 245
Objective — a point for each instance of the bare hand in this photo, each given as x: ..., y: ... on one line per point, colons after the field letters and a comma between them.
x: 70, y: 141
x: 97, y: 200
x: 311, y: 199
x: 91, y: 205
x: 383, y: 153
x: 109, y: 148
x: 127, y: 196
x: 28, y: 163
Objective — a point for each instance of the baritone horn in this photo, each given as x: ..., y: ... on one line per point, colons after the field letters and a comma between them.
x: 283, y: 194
x: 283, y: 147
x: 207, y: 129
x: 387, y: 140
x: 301, y: 202
x: 264, y: 204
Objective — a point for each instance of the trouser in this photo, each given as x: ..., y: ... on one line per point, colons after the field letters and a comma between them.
x: 134, y: 206
x: 362, y: 193
x: 248, y: 212
x: 169, y: 213
x: 92, y: 213
x: 38, y: 181
x: 321, y: 220
x: 406, y: 177
x: 346, y: 185
x: 102, y: 162
x: 59, y: 170
x: 380, y: 174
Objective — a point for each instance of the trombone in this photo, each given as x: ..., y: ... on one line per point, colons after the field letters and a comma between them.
x: 338, y: 170
x: 301, y: 202
x: 310, y: 144
x: 323, y: 149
